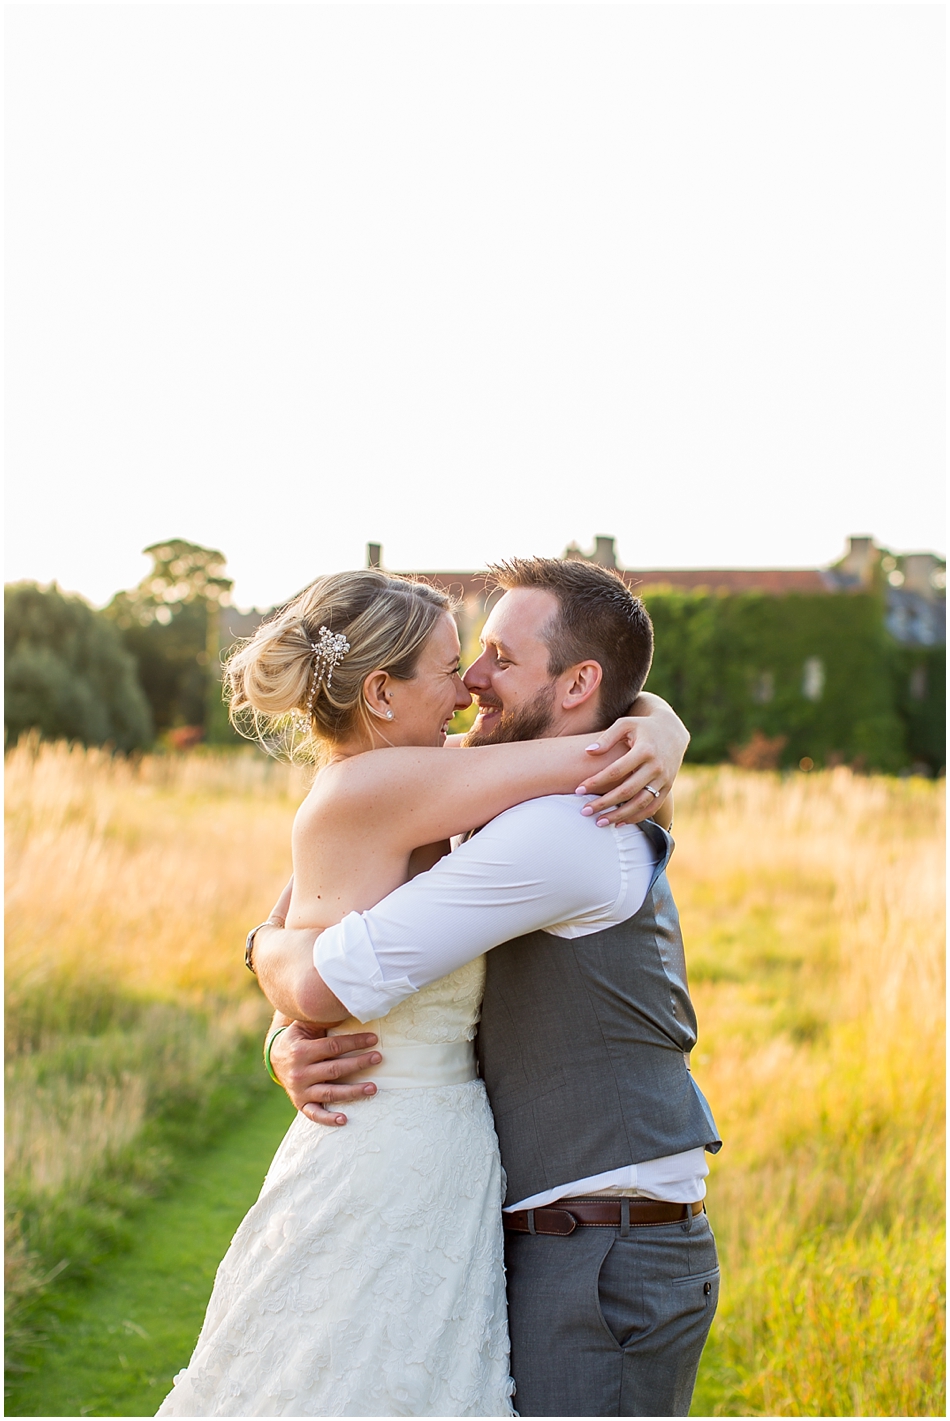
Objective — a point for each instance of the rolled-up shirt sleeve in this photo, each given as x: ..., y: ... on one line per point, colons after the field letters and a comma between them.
x: 539, y: 865
x: 346, y: 960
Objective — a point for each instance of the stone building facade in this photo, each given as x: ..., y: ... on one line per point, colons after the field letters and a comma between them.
x: 914, y: 587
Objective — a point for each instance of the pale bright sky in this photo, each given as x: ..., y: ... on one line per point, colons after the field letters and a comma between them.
x: 471, y: 281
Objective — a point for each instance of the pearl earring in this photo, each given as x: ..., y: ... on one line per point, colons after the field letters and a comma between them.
x: 390, y: 716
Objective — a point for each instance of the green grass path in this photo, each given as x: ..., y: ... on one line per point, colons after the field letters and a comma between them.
x: 115, y: 1345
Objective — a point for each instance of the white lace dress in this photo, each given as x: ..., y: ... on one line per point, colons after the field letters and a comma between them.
x: 368, y: 1278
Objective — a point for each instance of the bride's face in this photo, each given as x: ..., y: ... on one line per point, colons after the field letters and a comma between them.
x: 423, y: 707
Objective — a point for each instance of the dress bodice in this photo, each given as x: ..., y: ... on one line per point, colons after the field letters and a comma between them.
x: 427, y: 1040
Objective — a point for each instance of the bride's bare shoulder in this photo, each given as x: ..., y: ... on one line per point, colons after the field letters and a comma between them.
x: 340, y: 786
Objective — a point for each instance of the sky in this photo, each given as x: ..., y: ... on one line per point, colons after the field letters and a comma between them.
x: 471, y: 280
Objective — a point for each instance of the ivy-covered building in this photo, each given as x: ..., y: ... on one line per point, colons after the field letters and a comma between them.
x: 776, y: 666
x: 788, y: 666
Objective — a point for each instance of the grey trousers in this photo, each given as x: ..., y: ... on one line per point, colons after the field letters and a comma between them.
x: 608, y: 1326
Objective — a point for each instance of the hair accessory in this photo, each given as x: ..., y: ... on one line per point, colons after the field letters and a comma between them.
x: 328, y: 650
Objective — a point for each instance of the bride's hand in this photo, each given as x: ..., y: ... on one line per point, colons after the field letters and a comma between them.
x: 307, y: 1062
x: 282, y: 907
x: 657, y: 741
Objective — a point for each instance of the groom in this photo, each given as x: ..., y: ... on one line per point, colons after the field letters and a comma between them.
x: 586, y: 1023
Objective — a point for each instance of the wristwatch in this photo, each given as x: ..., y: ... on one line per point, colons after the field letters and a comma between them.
x: 271, y: 922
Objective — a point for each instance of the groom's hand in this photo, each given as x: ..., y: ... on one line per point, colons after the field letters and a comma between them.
x: 308, y: 1063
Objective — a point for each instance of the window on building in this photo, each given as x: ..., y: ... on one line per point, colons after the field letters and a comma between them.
x: 763, y: 688
x: 918, y: 683
x: 813, y: 678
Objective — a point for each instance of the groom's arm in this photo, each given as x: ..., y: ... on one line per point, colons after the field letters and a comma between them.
x: 658, y: 750
x: 283, y: 964
x: 537, y: 866
x: 282, y: 956
x: 485, y: 875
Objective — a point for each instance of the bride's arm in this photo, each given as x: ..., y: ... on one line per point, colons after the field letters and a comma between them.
x: 423, y: 795
x: 417, y: 795
x: 670, y: 741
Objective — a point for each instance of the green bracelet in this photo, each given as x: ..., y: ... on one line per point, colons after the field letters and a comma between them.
x: 268, y: 1045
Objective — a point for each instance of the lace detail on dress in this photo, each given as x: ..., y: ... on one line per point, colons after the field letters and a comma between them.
x: 368, y: 1278
x: 448, y: 1010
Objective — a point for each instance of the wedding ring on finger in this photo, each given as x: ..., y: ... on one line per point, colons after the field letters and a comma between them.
x: 654, y: 792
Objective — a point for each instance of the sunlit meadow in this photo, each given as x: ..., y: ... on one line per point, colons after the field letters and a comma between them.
x: 813, y: 914
x: 132, y: 1023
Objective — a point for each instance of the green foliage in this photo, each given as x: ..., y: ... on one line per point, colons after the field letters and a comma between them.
x: 148, y: 1079
x: 114, y: 1343
x: 169, y: 624
x: 920, y: 694
x: 67, y: 673
x: 812, y: 669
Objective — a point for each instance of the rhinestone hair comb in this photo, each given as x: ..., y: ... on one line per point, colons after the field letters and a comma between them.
x: 328, y: 650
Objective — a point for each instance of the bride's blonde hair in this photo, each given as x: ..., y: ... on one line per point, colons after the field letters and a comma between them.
x: 288, y: 691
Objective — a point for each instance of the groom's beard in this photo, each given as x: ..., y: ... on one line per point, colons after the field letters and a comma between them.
x: 528, y: 722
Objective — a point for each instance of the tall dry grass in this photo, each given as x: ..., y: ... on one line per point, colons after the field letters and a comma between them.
x: 132, y: 1024
x: 141, y: 872
x: 813, y: 913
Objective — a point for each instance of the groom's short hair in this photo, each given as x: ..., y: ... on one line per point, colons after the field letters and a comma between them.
x: 598, y: 619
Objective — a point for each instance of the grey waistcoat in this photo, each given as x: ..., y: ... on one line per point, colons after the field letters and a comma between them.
x: 584, y: 1043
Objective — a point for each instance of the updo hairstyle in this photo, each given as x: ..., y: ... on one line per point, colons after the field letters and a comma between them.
x: 269, y: 678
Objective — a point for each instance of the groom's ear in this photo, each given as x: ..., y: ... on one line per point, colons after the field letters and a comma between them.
x: 581, y: 683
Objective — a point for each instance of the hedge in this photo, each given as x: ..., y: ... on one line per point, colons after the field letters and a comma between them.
x: 920, y: 691
x: 820, y: 674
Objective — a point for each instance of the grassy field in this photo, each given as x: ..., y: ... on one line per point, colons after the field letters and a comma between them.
x: 133, y: 1027
x: 116, y: 1344
x: 813, y: 914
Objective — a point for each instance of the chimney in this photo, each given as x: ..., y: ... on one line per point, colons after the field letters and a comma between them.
x: 604, y: 554
x: 860, y: 559
x: 918, y: 574
x: 374, y: 554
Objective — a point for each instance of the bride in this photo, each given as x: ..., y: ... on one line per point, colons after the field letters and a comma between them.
x: 368, y: 1278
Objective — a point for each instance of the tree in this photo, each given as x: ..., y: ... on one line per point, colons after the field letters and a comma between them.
x: 67, y: 673
x: 169, y: 624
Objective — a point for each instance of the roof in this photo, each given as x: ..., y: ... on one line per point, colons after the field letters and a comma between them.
x: 774, y: 580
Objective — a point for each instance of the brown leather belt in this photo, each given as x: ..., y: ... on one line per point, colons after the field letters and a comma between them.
x: 566, y: 1215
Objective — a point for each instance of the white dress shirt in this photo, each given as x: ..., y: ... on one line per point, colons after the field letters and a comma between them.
x: 541, y: 865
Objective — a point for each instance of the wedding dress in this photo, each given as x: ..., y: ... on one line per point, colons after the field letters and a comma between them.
x: 368, y: 1278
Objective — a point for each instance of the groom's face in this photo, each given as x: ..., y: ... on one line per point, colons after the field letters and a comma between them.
x: 515, y: 691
